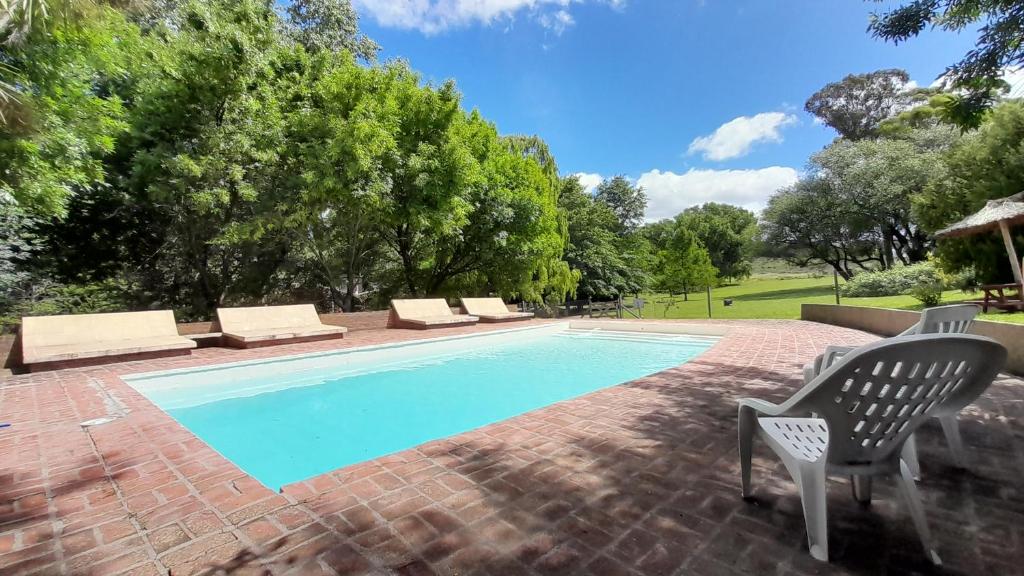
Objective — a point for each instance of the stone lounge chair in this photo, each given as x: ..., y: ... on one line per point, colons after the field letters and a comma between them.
x: 866, y: 406
x: 491, y: 310
x: 426, y: 313
x: 953, y: 319
x: 49, y: 342
x: 268, y: 325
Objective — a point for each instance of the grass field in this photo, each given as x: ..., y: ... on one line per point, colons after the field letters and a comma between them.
x: 763, y: 296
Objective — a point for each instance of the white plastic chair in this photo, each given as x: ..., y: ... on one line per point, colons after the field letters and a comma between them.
x: 953, y: 319
x: 866, y: 406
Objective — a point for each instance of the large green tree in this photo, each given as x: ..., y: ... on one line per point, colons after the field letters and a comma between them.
x: 71, y: 109
x: 626, y: 200
x: 878, y: 178
x: 812, y: 222
x: 683, y: 263
x: 206, y: 134
x: 726, y: 232
x: 595, y: 247
x: 981, y: 166
x: 857, y: 104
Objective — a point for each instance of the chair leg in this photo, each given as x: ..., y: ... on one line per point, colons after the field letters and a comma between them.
x: 861, y: 489
x: 747, y: 428
x: 812, y: 496
x: 909, y: 456
x: 956, y: 445
x: 913, y: 498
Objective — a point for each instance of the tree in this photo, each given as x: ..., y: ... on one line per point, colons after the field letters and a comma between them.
x: 626, y: 201
x: 857, y: 104
x: 815, y: 223
x: 69, y: 91
x: 982, y: 165
x: 978, y: 76
x: 330, y: 25
x: 207, y: 133
x: 878, y: 179
x: 594, y: 247
x: 726, y: 232
x: 330, y: 171
x: 683, y: 265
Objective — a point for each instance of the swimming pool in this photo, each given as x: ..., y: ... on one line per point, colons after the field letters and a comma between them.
x: 287, y: 419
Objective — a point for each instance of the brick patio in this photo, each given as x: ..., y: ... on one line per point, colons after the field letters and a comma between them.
x: 640, y: 478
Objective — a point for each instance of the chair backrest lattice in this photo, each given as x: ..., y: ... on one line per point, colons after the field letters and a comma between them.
x: 954, y: 319
x: 874, y: 397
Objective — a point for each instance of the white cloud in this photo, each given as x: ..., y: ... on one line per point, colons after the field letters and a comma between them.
x: 589, y: 180
x: 736, y: 137
x: 557, y: 22
x: 435, y: 16
x: 669, y: 193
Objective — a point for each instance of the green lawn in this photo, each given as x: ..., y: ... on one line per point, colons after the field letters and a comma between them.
x: 764, y: 297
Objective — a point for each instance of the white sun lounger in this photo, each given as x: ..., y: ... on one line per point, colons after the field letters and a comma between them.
x: 426, y: 313
x: 263, y: 325
x: 74, y: 337
x: 492, y: 310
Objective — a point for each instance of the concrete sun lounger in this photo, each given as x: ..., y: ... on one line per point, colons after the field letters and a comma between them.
x: 60, y: 341
x: 427, y: 313
x: 492, y: 310
x: 267, y: 325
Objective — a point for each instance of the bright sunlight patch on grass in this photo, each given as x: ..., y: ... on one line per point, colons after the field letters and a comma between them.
x: 781, y: 298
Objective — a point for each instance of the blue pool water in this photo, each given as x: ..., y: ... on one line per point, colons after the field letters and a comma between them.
x: 287, y: 420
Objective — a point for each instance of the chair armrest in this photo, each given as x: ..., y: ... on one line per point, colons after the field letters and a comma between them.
x: 831, y: 354
x: 760, y: 406
x: 809, y: 372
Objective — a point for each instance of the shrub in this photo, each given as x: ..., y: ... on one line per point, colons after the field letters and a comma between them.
x: 892, y: 282
x: 928, y: 293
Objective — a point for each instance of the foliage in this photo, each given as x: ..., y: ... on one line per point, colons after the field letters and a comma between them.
x: 206, y: 134
x: 978, y: 75
x: 879, y: 177
x: 857, y: 104
x: 727, y: 233
x: 928, y: 293
x: 595, y: 250
x: 892, y: 282
x: 625, y: 200
x: 983, y: 165
x: 15, y: 247
x: 684, y: 265
x: 42, y: 297
x: 70, y: 78
x: 812, y: 222
x: 330, y: 25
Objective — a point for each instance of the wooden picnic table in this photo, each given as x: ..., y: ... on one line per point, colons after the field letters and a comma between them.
x: 1001, y: 296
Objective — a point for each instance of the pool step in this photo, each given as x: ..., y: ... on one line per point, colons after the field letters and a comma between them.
x: 651, y: 337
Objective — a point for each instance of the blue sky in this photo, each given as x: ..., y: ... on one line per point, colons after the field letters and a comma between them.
x: 697, y: 100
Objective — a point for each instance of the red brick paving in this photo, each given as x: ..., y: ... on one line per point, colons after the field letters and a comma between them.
x: 640, y: 478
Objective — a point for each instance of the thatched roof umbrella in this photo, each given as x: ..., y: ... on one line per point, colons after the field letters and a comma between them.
x: 1002, y: 214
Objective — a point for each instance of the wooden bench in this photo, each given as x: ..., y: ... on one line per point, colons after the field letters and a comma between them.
x: 491, y: 310
x: 79, y: 339
x: 426, y: 313
x: 999, y: 296
x: 254, y: 326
